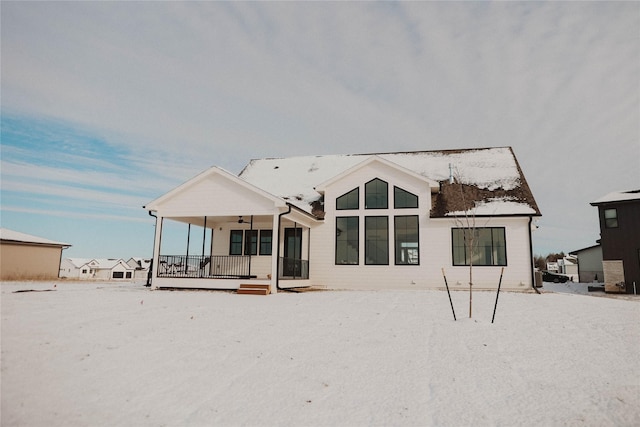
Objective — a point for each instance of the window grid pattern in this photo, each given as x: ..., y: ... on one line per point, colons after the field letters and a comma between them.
x: 266, y: 237
x: 376, y: 229
x: 235, y: 242
x: 350, y: 200
x: 407, y: 246
x: 489, y: 246
x: 347, y: 240
x: 402, y: 199
x: 376, y: 194
x: 611, y: 218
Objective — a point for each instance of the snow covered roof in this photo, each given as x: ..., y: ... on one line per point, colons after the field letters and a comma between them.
x: 16, y: 236
x: 618, y: 196
x: 98, y: 263
x: 79, y: 262
x: 139, y: 262
x: 493, y: 174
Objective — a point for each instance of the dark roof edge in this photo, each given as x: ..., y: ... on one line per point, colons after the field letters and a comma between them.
x: 525, y: 184
x: 584, y: 249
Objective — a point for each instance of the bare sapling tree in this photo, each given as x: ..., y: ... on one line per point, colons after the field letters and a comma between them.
x: 466, y: 222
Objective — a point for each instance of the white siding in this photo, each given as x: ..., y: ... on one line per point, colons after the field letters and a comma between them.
x: 435, y: 244
x: 216, y: 195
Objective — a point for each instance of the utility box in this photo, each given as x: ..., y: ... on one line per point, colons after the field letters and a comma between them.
x: 538, y: 278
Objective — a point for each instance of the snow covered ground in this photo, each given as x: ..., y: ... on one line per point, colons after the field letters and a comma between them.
x: 108, y: 354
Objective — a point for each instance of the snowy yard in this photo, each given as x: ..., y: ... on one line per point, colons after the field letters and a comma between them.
x: 122, y: 355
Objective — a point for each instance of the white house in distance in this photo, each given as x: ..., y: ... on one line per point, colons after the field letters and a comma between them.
x: 96, y: 269
x: 141, y: 267
x: 365, y: 221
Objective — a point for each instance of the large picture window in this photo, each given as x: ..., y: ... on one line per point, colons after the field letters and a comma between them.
x: 347, y: 238
x: 350, y: 200
x: 376, y: 194
x: 489, y: 246
x: 407, y: 246
x: 376, y: 230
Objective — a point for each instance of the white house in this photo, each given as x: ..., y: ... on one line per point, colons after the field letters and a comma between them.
x: 366, y: 221
x: 141, y: 267
x: 568, y: 266
x: 96, y: 268
x: 589, y: 264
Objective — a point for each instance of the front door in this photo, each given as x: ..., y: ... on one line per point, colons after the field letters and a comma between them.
x: 292, y: 266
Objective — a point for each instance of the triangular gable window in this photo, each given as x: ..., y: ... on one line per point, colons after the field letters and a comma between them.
x: 349, y: 200
x: 402, y: 199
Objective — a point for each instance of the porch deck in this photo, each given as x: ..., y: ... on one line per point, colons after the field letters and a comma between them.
x: 225, y: 268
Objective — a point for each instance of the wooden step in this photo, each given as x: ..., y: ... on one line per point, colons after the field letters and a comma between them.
x: 254, y: 289
x: 254, y: 286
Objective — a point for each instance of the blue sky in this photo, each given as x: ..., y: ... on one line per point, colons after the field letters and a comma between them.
x: 107, y: 105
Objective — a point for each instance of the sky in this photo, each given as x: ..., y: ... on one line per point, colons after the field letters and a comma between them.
x: 105, y: 106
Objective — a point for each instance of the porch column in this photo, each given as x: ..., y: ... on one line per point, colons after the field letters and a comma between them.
x: 156, y: 250
x: 275, y: 252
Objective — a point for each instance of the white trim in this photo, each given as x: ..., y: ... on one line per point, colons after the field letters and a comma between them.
x: 374, y: 159
x: 155, y: 204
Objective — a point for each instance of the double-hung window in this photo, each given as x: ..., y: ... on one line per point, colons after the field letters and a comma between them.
x: 248, y: 242
x: 251, y: 242
x: 235, y: 242
x: 611, y: 218
x: 266, y: 237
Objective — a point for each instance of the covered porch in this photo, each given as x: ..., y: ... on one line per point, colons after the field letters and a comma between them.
x: 235, y: 233
x: 235, y: 250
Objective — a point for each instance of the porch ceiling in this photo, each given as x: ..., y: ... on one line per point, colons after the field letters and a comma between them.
x: 212, y: 220
x: 291, y: 217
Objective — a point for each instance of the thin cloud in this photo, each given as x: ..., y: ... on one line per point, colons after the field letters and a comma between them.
x: 184, y: 86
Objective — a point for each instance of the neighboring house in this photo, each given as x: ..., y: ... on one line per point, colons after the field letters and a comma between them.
x: 589, y: 264
x: 76, y: 268
x: 27, y: 257
x: 553, y: 267
x: 367, y: 221
x: 568, y: 266
x: 619, y: 214
x: 141, y: 267
x: 96, y: 269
